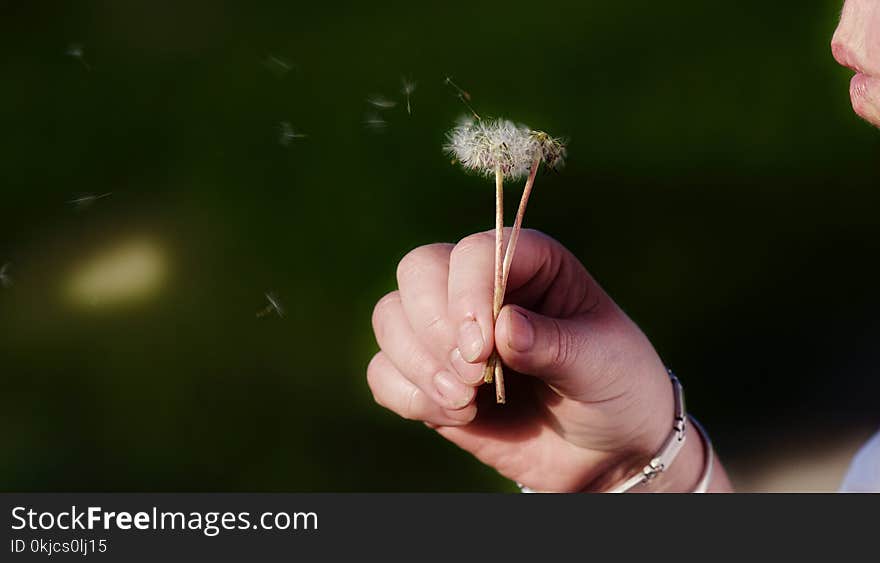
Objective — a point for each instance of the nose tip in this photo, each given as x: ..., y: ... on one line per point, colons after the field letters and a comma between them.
x: 840, y: 52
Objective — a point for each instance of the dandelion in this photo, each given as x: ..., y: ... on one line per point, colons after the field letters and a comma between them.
x: 76, y: 51
x: 381, y: 102
x: 87, y: 200
x: 274, y: 307
x: 407, y: 89
x: 503, y: 149
x: 287, y: 135
x: 5, y: 278
x: 496, y: 148
x: 462, y: 95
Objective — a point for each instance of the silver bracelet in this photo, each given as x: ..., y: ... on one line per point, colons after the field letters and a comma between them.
x: 706, y: 477
x: 670, y: 449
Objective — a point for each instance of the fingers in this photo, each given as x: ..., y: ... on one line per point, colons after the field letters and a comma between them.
x: 396, y: 393
x: 412, y: 359
x: 471, y: 288
x: 423, y: 277
x: 542, y: 273
x: 576, y: 356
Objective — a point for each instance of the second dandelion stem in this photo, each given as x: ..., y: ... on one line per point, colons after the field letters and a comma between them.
x: 517, y: 224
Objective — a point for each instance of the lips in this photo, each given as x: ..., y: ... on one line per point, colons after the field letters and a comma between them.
x: 864, y: 86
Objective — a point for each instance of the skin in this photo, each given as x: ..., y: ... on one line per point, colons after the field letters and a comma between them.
x: 592, y: 402
x: 856, y: 45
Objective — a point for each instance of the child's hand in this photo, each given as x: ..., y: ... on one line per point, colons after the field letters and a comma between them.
x: 594, y: 403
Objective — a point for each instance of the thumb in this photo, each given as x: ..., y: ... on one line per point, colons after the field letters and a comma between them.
x: 571, y: 354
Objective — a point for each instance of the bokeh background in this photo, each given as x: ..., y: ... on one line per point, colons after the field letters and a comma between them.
x: 719, y: 187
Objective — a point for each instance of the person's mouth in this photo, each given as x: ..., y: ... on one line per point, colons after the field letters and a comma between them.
x: 864, y: 88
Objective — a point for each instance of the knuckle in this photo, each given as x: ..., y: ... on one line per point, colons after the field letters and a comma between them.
x: 563, y: 348
x: 421, y: 260
x: 410, y: 410
x: 534, y: 233
x: 381, y: 309
x: 374, y: 371
x: 479, y: 243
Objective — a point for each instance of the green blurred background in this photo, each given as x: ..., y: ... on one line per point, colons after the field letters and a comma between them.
x: 719, y: 187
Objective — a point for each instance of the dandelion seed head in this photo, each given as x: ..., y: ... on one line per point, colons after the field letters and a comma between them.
x: 485, y: 145
x: 550, y: 149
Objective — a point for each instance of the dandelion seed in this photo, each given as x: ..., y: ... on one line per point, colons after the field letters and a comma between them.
x: 287, y: 135
x: 277, y: 65
x: 5, y: 277
x: 375, y: 122
x: 407, y: 89
x: 381, y: 102
x: 87, y: 200
x: 274, y: 307
x: 462, y: 95
x: 76, y: 51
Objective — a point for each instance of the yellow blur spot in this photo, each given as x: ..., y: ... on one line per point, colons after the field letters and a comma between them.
x: 131, y: 271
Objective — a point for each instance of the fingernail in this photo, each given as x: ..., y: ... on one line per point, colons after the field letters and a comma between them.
x: 521, y: 333
x: 468, y: 373
x: 456, y: 393
x: 470, y: 340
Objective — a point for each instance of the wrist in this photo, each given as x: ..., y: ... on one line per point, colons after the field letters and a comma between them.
x: 682, y: 462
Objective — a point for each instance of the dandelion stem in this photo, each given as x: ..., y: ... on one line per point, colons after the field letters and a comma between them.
x: 499, y: 241
x: 517, y: 224
x: 493, y: 365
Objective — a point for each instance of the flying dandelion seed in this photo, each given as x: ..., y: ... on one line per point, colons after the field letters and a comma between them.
x: 274, y: 307
x: 407, y: 89
x: 87, y: 200
x: 462, y: 95
x: 5, y: 278
x: 287, y: 135
x: 277, y: 65
x: 379, y: 101
x: 375, y: 122
x: 76, y: 51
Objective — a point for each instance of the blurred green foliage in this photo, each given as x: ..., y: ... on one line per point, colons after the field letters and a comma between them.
x: 718, y: 186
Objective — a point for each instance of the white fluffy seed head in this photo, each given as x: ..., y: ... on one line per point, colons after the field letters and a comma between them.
x: 486, y: 145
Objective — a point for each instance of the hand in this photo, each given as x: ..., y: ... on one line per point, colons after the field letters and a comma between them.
x: 856, y: 44
x: 594, y: 401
